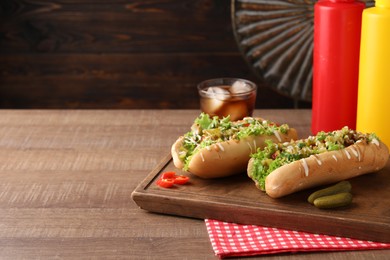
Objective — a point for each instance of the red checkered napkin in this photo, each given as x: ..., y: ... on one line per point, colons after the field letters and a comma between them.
x: 229, y: 239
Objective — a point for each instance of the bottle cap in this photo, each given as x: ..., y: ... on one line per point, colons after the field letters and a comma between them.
x: 382, y: 3
x: 341, y: 1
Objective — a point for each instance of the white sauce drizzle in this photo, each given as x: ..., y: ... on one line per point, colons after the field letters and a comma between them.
x: 254, y: 144
x: 221, y: 147
x: 356, y: 152
x: 276, y: 133
x: 208, y: 148
x: 201, y: 155
x: 317, y: 160
x: 347, y: 153
x: 250, y: 147
x: 305, y: 167
x: 375, y: 141
x: 334, y: 157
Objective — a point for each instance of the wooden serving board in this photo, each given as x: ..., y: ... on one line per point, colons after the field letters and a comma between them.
x: 236, y: 199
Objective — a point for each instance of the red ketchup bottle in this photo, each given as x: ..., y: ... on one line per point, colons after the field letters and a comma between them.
x: 337, y: 29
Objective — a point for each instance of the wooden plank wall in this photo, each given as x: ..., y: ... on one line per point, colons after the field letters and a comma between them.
x: 117, y: 53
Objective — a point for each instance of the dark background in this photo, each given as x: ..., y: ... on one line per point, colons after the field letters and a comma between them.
x: 118, y: 53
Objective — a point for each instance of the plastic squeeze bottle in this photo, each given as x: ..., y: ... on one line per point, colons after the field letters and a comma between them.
x: 337, y: 29
x: 373, y: 114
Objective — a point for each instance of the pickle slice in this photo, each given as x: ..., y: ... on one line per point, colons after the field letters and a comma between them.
x: 334, y: 201
x: 343, y: 186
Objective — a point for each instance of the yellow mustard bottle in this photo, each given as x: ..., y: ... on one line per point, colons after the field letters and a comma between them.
x: 373, y: 110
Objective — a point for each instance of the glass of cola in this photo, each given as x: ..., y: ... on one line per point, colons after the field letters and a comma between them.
x: 227, y: 96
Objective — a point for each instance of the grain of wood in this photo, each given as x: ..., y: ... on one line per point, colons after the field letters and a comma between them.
x: 117, y: 54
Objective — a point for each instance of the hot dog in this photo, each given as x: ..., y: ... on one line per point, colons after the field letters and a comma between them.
x: 218, y: 147
x: 284, y: 168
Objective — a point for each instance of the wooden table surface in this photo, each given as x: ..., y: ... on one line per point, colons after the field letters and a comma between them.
x: 67, y: 177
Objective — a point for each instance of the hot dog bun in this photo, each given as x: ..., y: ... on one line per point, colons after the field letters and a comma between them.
x: 226, y: 158
x: 328, y: 167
